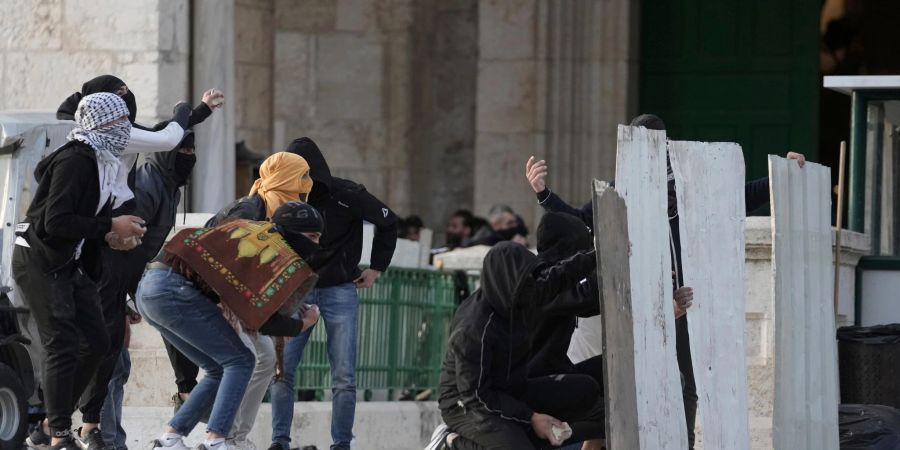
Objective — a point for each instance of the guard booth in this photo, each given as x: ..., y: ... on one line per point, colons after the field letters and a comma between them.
x: 874, y: 188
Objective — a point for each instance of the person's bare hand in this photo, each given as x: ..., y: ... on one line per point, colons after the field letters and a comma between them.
x: 214, y: 98
x: 309, y: 316
x: 519, y: 239
x: 801, y: 160
x: 684, y: 298
x: 128, y: 226
x: 367, y: 279
x: 536, y: 172
x: 543, y: 427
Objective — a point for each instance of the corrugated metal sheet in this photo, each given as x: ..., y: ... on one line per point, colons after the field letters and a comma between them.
x: 806, y: 386
x: 709, y: 180
x: 641, y: 181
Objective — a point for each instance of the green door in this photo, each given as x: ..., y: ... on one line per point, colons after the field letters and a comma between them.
x: 743, y: 71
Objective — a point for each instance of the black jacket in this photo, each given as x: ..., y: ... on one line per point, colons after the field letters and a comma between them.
x: 344, y: 206
x: 756, y: 194
x: 559, y: 236
x: 485, y: 367
x: 64, y: 210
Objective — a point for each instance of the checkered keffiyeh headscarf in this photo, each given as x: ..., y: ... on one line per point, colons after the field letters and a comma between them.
x: 92, y: 118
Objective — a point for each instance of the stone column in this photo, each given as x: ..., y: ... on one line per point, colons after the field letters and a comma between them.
x: 342, y: 76
x: 554, y: 80
x: 213, y: 67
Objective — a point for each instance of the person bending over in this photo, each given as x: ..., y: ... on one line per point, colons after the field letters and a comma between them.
x: 206, y: 284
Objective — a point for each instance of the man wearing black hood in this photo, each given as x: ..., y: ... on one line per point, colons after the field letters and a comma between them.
x: 756, y: 194
x: 156, y: 186
x: 345, y: 205
x: 560, y: 236
x: 486, y: 395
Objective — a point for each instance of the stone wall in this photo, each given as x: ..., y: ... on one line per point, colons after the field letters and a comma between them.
x: 444, y: 81
x: 48, y: 48
x: 343, y: 77
x: 554, y: 80
x: 254, y: 52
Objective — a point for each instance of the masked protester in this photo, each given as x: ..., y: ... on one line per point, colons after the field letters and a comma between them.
x: 560, y: 236
x: 284, y: 178
x: 250, y: 276
x: 346, y: 205
x: 56, y: 261
x: 756, y: 194
x: 301, y: 225
x: 487, y: 399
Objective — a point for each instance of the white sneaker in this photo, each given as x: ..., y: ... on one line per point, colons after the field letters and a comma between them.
x: 438, y: 438
x: 177, y: 445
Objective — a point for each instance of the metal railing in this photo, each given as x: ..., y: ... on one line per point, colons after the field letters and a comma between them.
x: 402, y: 334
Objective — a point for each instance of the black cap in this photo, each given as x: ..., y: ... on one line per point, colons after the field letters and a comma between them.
x: 298, y: 217
x: 291, y: 220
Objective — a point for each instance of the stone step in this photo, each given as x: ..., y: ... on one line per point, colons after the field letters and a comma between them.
x: 378, y: 425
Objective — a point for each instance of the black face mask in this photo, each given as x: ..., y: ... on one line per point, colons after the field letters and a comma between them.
x: 184, y: 164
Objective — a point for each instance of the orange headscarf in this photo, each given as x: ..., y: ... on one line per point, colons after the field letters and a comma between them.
x: 283, y: 177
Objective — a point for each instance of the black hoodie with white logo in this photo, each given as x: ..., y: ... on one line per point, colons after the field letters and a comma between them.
x: 345, y: 205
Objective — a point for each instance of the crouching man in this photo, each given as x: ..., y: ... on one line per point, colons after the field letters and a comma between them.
x: 210, y: 282
x: 486, y: 397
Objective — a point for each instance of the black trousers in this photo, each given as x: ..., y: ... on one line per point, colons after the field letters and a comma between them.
x: 185, y: 370
x: 113, y: 298
x: 65, y: 306
x: 689, y: 390
x: 573, y: 398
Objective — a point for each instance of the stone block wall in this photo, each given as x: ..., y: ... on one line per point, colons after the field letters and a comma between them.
x: 342, y: 76
x: 254, y: 64
x: 48, y: 48
x: 554, y: 80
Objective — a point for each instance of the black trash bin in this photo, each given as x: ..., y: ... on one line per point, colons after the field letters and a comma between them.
x: 869, y: 362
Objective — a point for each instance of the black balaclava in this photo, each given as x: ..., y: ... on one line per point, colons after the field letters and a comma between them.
x: 292, y: 219
x: 654, y: 122
x: 560, y: 236
x: 184, y: 162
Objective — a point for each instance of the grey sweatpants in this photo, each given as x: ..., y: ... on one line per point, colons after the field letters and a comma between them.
x: 264, y: 349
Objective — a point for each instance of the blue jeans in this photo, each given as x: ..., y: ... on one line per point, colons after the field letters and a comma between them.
x: 111, y: 414
x: 187, y: 319
x: 339, y: 308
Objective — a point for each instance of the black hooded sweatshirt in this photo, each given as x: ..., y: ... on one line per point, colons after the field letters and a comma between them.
x: 344, y: 206
x: 64, y: 211
x: 485, y: 367
x: 559, y: 236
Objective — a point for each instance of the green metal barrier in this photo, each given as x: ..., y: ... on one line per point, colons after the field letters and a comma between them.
x: 402, y: 334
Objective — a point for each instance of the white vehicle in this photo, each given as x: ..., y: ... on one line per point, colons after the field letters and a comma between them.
x: 25, y: 138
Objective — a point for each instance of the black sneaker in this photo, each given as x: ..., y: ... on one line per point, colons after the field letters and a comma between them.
x: 276, y: 446
x: 66, y: 444
x: 93, y: 440
x: 38, y: 440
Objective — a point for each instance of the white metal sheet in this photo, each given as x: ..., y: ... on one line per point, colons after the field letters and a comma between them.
x: 641, y: 181
x: 806, y: 382
x: 709, y: 180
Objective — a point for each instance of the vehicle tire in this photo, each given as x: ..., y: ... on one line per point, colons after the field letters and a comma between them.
x: 13, y: 410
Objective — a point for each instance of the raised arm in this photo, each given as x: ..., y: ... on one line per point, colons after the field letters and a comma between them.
x: 536, y: 172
